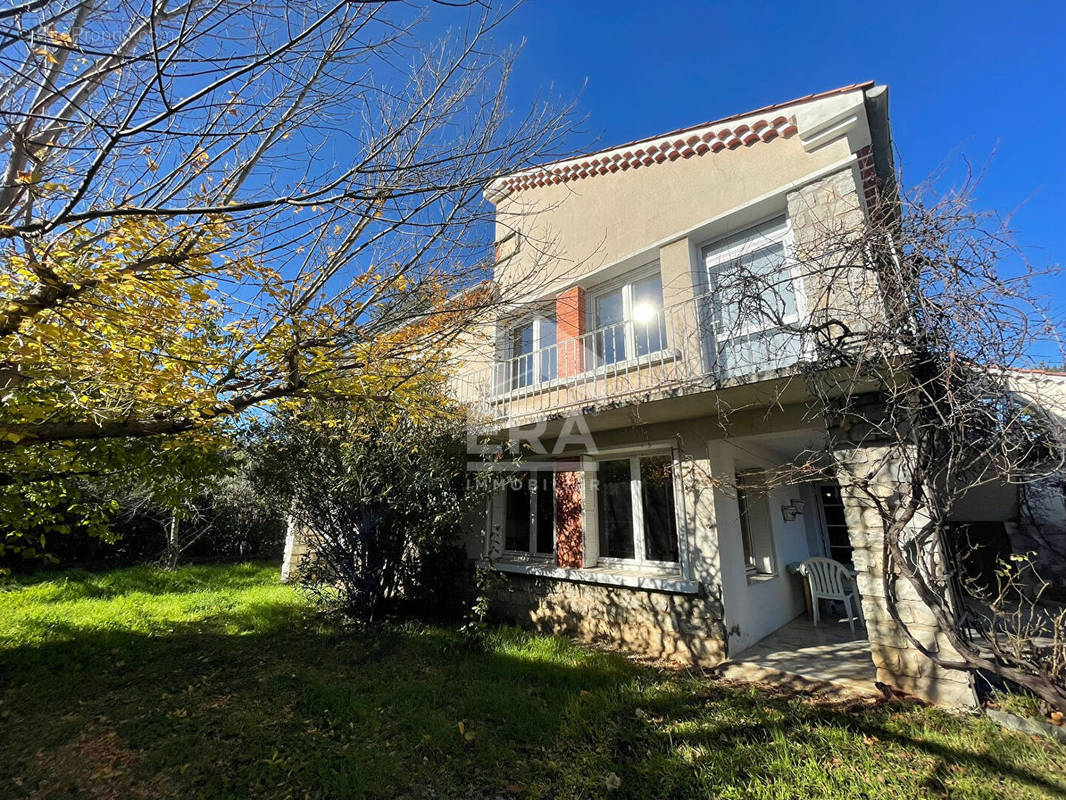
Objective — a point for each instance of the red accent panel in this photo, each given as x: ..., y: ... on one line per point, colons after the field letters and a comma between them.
x: 569, y: 528
x: 569, y: 325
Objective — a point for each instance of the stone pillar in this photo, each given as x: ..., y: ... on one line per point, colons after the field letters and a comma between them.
x: 296, y: 550
x: 898, y: 662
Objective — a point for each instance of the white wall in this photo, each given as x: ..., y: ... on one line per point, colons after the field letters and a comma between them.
x: 756, y: 607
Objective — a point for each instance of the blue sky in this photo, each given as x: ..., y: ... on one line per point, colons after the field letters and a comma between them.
x: 981, y: 80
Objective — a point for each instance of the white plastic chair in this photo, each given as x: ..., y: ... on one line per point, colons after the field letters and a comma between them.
x: 831, y: 580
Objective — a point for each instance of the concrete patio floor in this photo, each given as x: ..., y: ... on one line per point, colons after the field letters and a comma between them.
x: 800, y: 655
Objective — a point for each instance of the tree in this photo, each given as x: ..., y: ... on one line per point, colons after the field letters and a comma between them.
x: 207, y: 506
x: 94, y: 488
x: 379, y: 495
x: 208, y: 206
x: 922, y: 328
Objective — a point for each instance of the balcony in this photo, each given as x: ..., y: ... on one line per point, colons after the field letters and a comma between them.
x: 680, y: 349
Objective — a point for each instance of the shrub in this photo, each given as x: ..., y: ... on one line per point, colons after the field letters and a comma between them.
x: 380, y: 498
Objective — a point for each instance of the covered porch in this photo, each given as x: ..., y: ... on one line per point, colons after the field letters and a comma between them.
x: 768, y: 607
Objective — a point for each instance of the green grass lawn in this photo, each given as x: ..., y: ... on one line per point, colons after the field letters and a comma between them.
x: 221, y: 682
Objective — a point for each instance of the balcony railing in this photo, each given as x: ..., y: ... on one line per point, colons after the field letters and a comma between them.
x: 676, y: 349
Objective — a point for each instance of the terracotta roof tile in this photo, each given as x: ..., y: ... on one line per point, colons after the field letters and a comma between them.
x: 672, y: 145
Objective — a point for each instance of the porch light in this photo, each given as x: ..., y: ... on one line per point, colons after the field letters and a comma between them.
x: 644, y: 313
x: 792, y: 510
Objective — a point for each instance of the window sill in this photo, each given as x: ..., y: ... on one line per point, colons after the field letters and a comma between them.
x: 520, y: 557
x: 760, y: 577
x: 651, y: 580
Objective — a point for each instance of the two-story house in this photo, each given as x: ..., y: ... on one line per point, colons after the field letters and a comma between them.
x: 653, y: 404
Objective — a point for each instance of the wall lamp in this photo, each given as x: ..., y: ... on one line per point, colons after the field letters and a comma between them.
x: 792, y: 510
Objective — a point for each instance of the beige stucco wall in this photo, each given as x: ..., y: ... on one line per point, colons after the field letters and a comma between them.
x: 643, y: 212
x: 573, y: 229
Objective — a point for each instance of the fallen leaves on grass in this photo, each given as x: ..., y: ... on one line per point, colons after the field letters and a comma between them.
x: 99, y: 766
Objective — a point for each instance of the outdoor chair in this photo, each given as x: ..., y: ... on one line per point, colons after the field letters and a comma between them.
x: 831, y: 580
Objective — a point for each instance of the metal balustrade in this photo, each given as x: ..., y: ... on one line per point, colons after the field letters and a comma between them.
x: 674, y: 351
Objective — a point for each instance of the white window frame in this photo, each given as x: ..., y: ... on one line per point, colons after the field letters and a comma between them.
x: 625, y: 283
x: 761, y: 545
x: 637, y: 505
x: 747, y: 543
x: 530, y: 554
x: 536, y: 356
x: 759, y: 236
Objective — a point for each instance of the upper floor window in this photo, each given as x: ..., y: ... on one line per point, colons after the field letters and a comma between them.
x: 628, y: 318
x: 531, y: 353
x: 755, y: 299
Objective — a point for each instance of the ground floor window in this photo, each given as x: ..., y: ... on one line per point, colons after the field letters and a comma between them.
x: 756, y: 533
x: 745, y: 530
x: 635, y: 509
x: 529, y: 513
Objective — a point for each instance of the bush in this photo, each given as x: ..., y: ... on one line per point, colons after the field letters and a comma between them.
x: 381, y: 499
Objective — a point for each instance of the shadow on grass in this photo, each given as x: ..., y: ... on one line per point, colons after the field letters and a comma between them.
x: 333, y: 714
x: 263, y: 701
x: 889, y: 733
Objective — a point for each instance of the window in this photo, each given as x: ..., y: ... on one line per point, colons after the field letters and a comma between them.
x: 755, y: 303
x: 614, y: 499
x: 635, y: 508
x: 756, y: 535
x: 628, y: 318
x: 531, y: 353
x: 745, y: 530
x: 529, y: 513
x: 517, y: 513
x: 657, y: 505
x: 836, y: 528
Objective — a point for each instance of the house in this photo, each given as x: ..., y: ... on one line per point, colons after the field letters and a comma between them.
x: 653, y: 359
x: 652, y: 407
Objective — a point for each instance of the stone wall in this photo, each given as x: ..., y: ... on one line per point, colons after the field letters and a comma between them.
x: 660, y: 624
x: 828, y: 222
x: 897, y: 661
